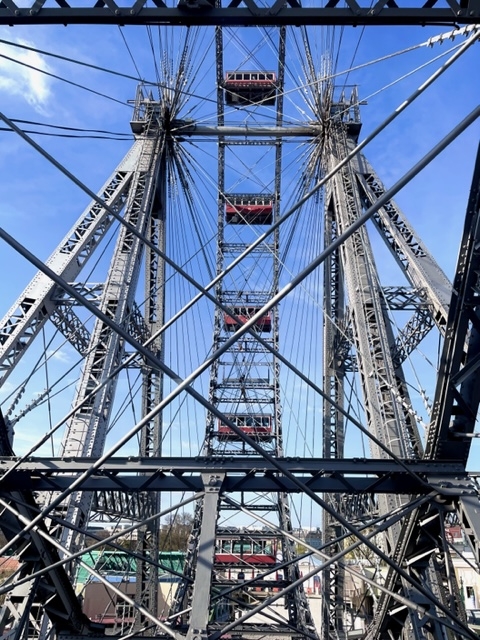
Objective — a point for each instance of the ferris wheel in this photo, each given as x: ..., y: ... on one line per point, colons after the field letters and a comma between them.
x: 228, y: 351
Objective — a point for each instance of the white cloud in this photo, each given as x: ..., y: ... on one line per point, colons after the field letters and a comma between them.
x: 59, y: 355
x: 20, y: 80
x: 6, y: 388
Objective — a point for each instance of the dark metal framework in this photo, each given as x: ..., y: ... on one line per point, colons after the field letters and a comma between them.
x: 358, y: 475
x: 353, y: 189
x: 207, y: 12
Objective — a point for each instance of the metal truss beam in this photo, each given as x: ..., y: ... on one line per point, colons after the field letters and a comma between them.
x: 184, y: 464
x: 205, y: 553
x: 452, y: 421
x: 403, y: 298
x: 457, y: 395
x: 185, y: 474
x: 411, y: 335
x: 137, y: 476
x: 74, y: 330
x: 385, y: 393
x: 413, y: 258
x: 131, y: 506
x: 40, y: 299
x: 148, y: 540
x: 334, y: 368
x: 53, y: 591
x: 88, y: 428
x: 203, y: 12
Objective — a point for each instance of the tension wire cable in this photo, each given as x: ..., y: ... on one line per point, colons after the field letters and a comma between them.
x: 78, y: 406
x: 17, y: 392
x: 364, y: 141
x: 430, y: 42
x: 57, y: 77
x: 129, y: 51
x: 186, y: 93
x: 65, y: 128
x: 399, y: 109
x: 450, y: 35
x: 93, y: 66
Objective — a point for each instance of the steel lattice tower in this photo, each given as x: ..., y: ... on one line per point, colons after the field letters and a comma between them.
x: 242, y: 575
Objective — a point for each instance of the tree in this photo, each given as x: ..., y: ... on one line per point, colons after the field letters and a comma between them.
x: 175, y: 533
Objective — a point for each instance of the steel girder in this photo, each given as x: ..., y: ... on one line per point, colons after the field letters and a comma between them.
x: 457, y: 395
x: 416, y: 545
x: 334, y: 335
x: 206, y: 12
x: 413, y: 258
x: 306, y: 481
x: 181, y: 474
x: 419, y: 545
x: 41, y: 298
x: 454, y: 413
x: 384, y: 393
x: 148, y: 543
x: 87, y: 430
x: 52, y: 593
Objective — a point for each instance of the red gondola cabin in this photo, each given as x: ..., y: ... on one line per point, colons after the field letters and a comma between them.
x: 254, y: 426
x: 263, y: 324
x: 249, y: 210
x: 245, y: 550
x: 250, y: 87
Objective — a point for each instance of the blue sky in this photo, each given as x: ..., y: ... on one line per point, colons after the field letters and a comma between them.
x: 39, y: 205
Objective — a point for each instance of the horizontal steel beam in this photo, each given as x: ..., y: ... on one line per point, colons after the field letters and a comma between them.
x: 201, y: 12
x: 185, y: 128
x: 232, y: 464
x: 241, y: 474
x: 397, y: 483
